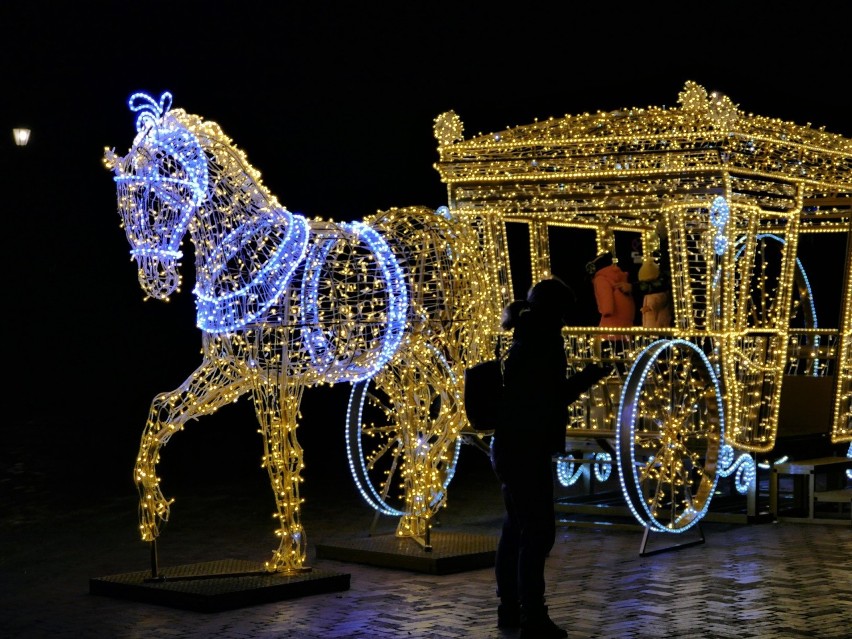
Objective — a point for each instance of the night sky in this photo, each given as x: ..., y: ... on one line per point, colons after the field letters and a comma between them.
x: 334, y: 103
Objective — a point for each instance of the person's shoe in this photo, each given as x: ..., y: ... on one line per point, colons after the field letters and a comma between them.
x: 538, y: 625
x: 508, y: 616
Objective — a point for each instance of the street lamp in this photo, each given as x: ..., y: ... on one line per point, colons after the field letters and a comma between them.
x: 21, y: 135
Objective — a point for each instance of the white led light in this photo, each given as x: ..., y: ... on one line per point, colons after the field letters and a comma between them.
x: 401, y: 302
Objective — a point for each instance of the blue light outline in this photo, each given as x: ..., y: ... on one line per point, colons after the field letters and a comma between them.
x: 370, y: 495
x: 228, y: 312
x: 318, y: 347
x: 627, y: 412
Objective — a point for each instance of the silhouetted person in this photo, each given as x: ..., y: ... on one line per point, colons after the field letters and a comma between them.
x: 531, y: 430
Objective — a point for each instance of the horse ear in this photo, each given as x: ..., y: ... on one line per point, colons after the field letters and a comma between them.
x: 165, y: 102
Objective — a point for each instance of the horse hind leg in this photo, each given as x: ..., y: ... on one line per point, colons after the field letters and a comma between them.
x: 277, y: 403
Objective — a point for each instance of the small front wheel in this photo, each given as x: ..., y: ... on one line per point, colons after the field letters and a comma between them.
x: 403, y: 436
x: 671, y: 427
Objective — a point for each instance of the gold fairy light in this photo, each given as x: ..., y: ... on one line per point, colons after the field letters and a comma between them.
x: 731, y: 193
x: 402, y: 302
x: 285, y: 302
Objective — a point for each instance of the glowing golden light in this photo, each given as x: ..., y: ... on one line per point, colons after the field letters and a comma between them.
x: 727, y: 195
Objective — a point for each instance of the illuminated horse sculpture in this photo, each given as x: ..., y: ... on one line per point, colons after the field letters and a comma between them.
x: 285, y: 303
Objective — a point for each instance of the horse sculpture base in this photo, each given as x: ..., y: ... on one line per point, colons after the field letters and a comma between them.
x: 215, y: 586
x: 449, y: 552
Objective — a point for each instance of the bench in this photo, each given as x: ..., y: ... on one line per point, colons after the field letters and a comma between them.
x: 842, y: 497
x: 833, y: 467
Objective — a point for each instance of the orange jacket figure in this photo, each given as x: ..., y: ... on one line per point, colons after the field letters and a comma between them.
x: 613, y: 292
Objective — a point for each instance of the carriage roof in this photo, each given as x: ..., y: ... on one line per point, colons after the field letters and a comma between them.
x: 624, y: 164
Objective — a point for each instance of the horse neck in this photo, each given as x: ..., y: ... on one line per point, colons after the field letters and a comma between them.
x: 235, y: 197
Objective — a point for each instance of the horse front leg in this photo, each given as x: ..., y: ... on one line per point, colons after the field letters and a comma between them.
x: 210, y: 387
x: 277, y: 403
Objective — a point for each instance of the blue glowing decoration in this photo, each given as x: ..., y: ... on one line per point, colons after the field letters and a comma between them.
x: 602, y: 466
x: 149, y: 110
x: 170, y: 162
x: 390, y: 286
x: 230, y: 297
x: 720, y: 213
x: 744, y: 466
x: 568, y: 471
x: 161, y: 182
x: 849, y: 454
x: 672, y: 406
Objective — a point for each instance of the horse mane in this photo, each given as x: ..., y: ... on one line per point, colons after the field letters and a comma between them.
x: 224, y: 154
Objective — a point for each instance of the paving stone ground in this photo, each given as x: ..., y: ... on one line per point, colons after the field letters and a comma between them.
x: 768, y: 580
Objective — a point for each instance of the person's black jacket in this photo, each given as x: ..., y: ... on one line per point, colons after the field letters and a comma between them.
x: 537, y: 391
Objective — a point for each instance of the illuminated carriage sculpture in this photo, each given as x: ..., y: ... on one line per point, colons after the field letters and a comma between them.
x: 401, y: 302
x: 728, y: 195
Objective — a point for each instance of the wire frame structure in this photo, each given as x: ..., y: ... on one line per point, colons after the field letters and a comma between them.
x: 721, y: 200
x: 284, y: 303
x: 401, y: 302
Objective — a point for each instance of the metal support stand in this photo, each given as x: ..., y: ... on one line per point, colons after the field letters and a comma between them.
x: 155, y: 570
x: 686, y: 544
x: 156, y: 577
x: 425, y: 542
x: 376, y: 516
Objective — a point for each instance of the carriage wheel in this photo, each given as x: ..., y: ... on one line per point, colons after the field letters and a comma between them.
x: 405, y: 433
x: 671, y: 426
x: 761, y: 293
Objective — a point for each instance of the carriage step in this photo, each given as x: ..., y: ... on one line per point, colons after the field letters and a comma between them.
x: 842, y: 496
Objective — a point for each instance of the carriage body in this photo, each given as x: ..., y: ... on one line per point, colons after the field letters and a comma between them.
x: 723, y: 200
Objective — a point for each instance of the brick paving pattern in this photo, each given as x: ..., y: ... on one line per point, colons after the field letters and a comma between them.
x: 778, y: 580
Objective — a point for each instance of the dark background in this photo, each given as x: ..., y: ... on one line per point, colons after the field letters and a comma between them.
x: 334, y: 103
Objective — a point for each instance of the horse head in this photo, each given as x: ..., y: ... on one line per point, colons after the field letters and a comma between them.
x: 160, y: 184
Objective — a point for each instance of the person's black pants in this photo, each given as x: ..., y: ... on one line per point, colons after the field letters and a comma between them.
x: 529, y: 527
